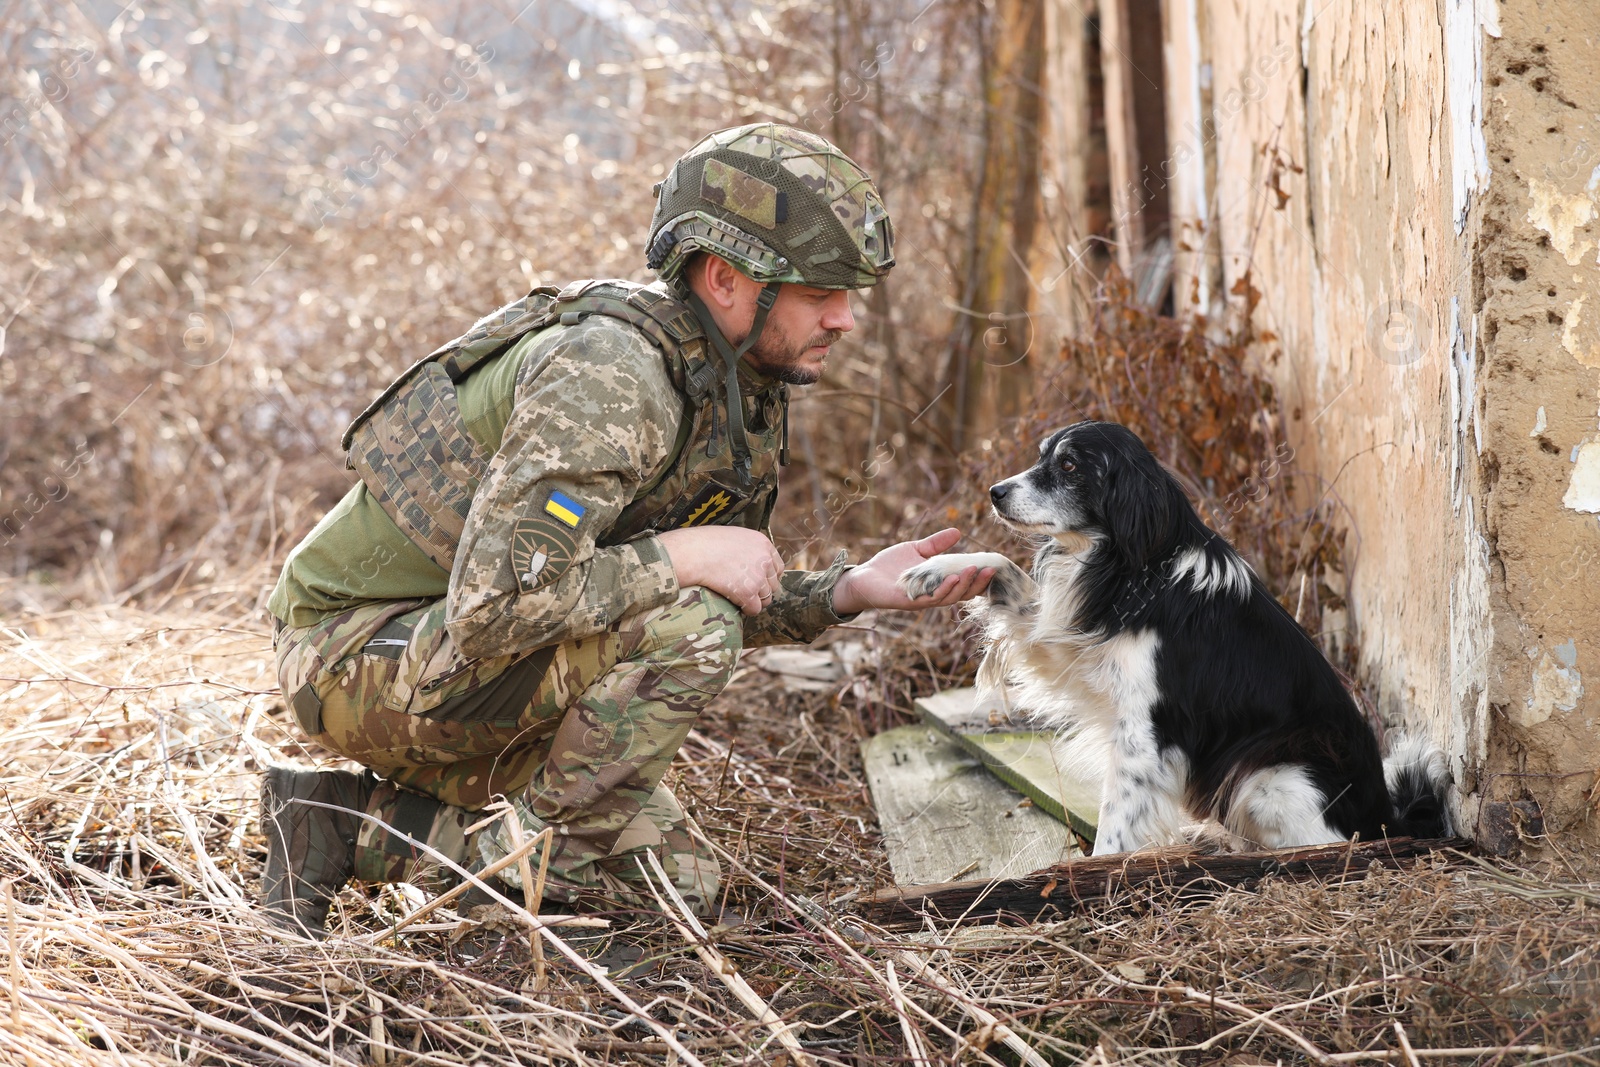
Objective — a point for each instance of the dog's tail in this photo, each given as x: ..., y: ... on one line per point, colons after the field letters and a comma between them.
x: 1415, y: 772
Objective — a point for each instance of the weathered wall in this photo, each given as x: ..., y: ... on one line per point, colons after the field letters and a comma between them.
x: 1538, y: 280
x: 1414, y: 190
x: 1333, y: 150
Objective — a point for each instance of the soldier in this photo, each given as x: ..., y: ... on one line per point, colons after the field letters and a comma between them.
x: 559, y: 545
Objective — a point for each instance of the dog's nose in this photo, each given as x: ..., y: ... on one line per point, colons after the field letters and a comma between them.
x: 998, y: 492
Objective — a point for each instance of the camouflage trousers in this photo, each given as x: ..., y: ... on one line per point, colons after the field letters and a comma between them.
x: 576, y: 736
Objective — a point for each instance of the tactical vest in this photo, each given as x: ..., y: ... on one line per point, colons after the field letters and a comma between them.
x: 417, y: 460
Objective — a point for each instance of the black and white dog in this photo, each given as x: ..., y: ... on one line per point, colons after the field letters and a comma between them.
x: 1153, y: 644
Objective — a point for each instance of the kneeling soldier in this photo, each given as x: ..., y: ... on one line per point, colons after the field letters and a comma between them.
x: 559, y: 545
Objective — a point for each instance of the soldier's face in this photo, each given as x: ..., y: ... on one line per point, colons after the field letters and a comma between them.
x: 802, y: 326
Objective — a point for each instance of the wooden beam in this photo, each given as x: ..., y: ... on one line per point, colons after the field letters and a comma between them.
x: 1065, y: 887
x: 1197, y: 252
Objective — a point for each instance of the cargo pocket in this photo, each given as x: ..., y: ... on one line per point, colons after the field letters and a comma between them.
x: 432, y: 677
x: 501, y: 700
x: 298, y: 667
x: 307, y: 707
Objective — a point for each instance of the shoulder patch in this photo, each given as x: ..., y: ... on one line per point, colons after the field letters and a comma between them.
x: 542, y: 548
x: 564, y: 508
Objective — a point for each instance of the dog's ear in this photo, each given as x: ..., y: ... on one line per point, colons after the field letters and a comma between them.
x: 1143, y: 509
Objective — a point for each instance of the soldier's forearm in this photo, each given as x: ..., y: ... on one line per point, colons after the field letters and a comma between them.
x: 801, y: 612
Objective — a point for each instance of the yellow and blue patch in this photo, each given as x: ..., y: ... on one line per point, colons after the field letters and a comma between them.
x: 564, y: 508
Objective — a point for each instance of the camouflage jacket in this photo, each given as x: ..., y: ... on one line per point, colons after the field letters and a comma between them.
x: 606, y: 443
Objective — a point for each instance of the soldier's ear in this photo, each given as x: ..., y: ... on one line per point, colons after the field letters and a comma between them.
x: 720, y: 280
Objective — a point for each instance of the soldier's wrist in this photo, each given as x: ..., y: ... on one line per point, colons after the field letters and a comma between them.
x: 846, y: 602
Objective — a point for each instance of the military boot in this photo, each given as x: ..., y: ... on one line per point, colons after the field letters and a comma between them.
x: 310, y: 849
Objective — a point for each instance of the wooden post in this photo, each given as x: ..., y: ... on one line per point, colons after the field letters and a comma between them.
x: 996, y: 336
x: 1122, y: 138
x: 1134, y: 68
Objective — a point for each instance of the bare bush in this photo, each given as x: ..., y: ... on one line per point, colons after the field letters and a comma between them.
x: 228, y: 224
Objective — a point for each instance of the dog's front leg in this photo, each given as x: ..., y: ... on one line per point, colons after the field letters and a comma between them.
x: 1141, y: 799
x: 1010, y: 588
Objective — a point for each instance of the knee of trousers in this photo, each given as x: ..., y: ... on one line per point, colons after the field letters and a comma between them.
x: 697, y: 638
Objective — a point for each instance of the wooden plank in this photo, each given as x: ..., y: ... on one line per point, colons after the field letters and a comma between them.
x: 962, y: 711
x: 1021, y: 757
x: 944, y: 816
x: 1067, y: 886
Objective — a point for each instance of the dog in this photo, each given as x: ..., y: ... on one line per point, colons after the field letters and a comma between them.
x: 1146, y: 638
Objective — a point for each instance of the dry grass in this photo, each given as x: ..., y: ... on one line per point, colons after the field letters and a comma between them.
x: 131, y: 743
x: 132, y: 735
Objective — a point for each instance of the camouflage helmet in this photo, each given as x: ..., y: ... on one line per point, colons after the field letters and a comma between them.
x: 779, y: 203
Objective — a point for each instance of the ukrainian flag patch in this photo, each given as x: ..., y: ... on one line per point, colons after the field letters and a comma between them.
x: 564, y: 508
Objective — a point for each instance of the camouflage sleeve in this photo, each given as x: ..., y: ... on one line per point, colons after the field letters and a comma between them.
x: 800, y: 611
x: 594, y: 416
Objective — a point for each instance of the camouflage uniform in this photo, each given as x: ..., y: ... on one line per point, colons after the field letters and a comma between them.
x: 522, y: 633
x: 579, y: 734
x: 573, y: 695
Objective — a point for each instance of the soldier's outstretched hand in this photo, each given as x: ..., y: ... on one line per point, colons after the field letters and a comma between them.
x: 732, y: 561
x: 876, y: 583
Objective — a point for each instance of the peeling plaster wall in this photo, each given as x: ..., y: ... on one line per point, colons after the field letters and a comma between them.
x: 1331, y: 184
x: 1414, y: 189
x: 1538, y: 280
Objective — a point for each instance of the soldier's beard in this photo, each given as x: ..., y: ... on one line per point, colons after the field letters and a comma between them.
x: 777, y: 356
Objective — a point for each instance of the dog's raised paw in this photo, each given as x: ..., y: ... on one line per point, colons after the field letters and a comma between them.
x: 925, y: 578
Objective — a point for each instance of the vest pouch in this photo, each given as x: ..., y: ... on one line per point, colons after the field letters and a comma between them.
x: 420, y: 464
x: 699, y: 487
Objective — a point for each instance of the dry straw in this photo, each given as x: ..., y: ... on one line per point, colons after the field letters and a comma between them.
x: 132, y: 742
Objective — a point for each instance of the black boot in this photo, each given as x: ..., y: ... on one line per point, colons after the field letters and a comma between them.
x: 310, y: 849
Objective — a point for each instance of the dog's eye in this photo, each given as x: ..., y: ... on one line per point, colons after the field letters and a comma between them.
x: 1068, y: 466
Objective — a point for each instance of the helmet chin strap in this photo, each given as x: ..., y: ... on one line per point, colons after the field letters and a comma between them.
x: 730, y: 360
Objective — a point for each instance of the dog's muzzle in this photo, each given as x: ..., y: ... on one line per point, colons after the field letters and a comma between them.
x: 1002, y: 493
x: 998, y: 493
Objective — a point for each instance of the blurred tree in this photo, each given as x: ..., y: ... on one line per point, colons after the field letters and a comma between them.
x: 990, y: 359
